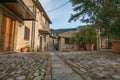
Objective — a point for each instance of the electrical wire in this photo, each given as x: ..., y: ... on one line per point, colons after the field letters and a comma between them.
x: 57, y: 7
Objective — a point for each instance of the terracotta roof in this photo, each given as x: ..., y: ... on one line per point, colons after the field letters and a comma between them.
x: 68, y: 33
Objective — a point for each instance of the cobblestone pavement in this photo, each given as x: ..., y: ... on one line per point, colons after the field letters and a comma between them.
x: 61, y: 71
x: 96, y: 65
x: 23, y: 66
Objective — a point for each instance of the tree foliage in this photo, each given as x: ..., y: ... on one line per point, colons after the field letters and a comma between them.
x: 86, y: 35
x: 90, y: 10
x: 104, y: 13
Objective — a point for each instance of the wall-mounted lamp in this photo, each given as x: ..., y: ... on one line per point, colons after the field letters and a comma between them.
x: 21, y: 23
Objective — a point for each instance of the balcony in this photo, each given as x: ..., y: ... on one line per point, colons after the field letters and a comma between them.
x: 44, y: 32
x: 19, y: 8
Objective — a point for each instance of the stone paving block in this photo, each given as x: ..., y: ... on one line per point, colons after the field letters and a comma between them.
x: 66, y: 77
x: 37, y: 78
x: 36, y: 74
x: 22, y: 66
x: 20, y: 78
x: 54, y: 58
x: 58, y: 64
x: 10, y: 79
x: 61, y: 70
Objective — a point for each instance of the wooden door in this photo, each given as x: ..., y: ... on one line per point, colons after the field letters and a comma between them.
x: 7, y: 34
x: 12, y: 35
x: 2, y: 34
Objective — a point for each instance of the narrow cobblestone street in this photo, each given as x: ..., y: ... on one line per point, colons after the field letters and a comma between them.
x: 83, y: 65
x: 61, y: 71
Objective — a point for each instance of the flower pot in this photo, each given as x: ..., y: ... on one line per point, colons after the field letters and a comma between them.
x: 25, y: 49
x: 77, y: 47
x: 116, y: 46
x: 30, y: 49
x: 89, y: 47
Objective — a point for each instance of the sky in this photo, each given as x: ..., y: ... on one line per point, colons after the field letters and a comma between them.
x: 60, y: 16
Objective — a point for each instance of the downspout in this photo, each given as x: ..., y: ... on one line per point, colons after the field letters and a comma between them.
x: 33, y: 28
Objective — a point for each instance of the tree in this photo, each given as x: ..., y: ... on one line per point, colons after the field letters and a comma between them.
x: 90, y: 10
x: 78, y: 38
x: 86, y: 10
x: 85, y: 35
x: 103, y: 13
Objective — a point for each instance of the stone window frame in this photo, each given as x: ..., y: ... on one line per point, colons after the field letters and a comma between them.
x: 67, y: 40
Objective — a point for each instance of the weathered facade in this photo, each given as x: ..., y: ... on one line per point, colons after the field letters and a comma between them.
x: 65, y: 45
x: 64, y: 41
x: 19, y: 23
x: 41, y: 39
x: 53, y: 42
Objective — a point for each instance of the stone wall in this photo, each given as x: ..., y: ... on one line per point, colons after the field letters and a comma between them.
x: 47, y: 43
x: 61, y: 44
x: 19, y: 40
x: 52, y: 42
x: 104, y: 43
x: 65, y: 47
x: 40, y: 25
x: 20, y: 27
x: 37, y: 35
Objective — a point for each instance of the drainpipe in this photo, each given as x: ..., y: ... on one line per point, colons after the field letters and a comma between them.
x: 33, y: 28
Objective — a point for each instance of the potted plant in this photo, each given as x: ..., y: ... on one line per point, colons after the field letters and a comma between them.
x: 75, y: 41
x: 56, y: 46
x: 24, y: 49
x: 113, y: 34
x: 30, y: 49
x: 115, y: 37
x: 90, y: 37
x: 110, y: 24
x: 78, y: 40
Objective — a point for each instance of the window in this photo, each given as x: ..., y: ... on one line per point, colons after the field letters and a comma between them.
x: 27, y: 33
x: 67, y: 40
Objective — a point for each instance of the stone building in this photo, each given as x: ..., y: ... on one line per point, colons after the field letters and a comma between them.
x: 65, y: 45
x: 42, y: 32
x: 20, y: 24
x: 64, y: 41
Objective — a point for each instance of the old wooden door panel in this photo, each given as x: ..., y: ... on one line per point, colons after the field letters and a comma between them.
x: 12, y: 35
x: 7, y: 34
x: 2, y: 36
